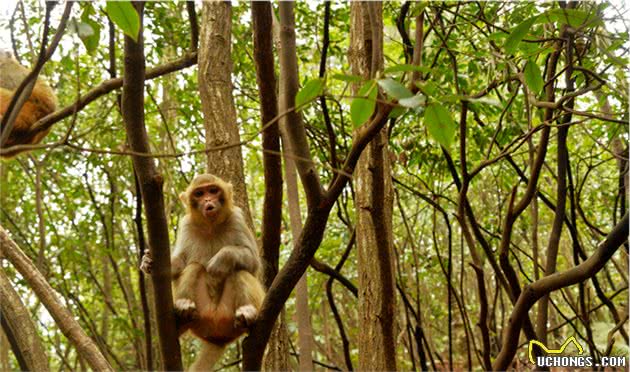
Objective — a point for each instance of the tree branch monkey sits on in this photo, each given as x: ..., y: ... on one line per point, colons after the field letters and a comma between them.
x: 214, y: 266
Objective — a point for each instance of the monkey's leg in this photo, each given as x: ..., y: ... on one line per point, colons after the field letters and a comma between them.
x: 184, y: 299
x: 186, y: 283
x: 245, y: 297
x: 224, y: 319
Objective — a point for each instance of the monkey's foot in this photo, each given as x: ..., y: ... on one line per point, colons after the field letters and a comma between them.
x: 245, y: 316
x: 185, y: 310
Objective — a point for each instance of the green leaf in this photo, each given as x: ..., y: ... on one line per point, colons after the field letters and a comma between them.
x: 412, y: 102
x: 396, y: 112
x: 90, y: 41
x: 452, y: 98
x: 498, y: 35
x: 362, y: 108
x: 517, y: 34
x: 572, y: 17
x: 440, y: 124
x: 406, y: 68
x: 124, y: 15
x: 428, y: 87
x: 309, y: 91
x: 533, y: 77
x: 348, y: 78
x: 394, y: 89
x: 486, y: 101
x: 89, y: 32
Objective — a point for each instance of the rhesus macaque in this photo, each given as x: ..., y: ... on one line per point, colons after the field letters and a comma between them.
x: 214, y: 265
x: 41, y: 103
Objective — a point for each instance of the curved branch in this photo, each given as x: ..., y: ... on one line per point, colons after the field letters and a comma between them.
x: 84, y: 345
x: 324, y: 268
x: 108, y: 86
x: 548, y: 284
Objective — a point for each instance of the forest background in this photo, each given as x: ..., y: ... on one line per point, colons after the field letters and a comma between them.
x: 428, y: 167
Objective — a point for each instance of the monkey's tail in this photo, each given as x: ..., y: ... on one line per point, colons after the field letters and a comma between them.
x: 208, y: 356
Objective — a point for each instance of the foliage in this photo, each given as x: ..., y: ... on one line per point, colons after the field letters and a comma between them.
x: 482, y: 53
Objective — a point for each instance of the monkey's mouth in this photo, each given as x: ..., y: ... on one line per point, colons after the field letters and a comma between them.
x: 209, y: 210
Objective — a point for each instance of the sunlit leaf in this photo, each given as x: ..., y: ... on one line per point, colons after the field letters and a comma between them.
x: 572, y: 17
x: 309, y: 91
x: 362, y: 108
x: 412, y: 102
x: 394, y: 89
x: 533, y: 77
x: 124, y: 15
x: 348, y: 78
x: 517, y: 34
x: 440, y: 124
x: 397, y: 112
x: 406, y: 68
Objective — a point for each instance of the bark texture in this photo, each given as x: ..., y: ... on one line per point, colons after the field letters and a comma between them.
x: 374, y: 203
x: 217, y: 102
x: 276, y: 358
x: 319, y: 202
x: 288, y: 87
x: 26, y: 344
x: 152, y: 197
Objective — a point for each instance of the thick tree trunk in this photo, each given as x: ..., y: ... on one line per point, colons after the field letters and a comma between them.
x: 153, y: 198
x: 217, y: 103
x: 303, y: 314
x: 319, y: 202
x: 288, y: 87
x: 374, y: 205
x: 84, y: 345
x: 26, y: 344
x: 277, y: 357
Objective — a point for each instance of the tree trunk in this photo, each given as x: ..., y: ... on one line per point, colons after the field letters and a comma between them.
x: 319, y: 202
x: 217, y: 103
x: 17, y: 322
x: 276, y: 358
x: 305, y: 331
x: 152, y: 196
x: 374, y: 205
x: 288, y: 87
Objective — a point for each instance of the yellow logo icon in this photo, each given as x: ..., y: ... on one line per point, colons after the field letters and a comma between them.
x: 553, y: 351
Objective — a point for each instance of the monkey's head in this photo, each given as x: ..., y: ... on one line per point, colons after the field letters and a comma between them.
x: 208, y: 199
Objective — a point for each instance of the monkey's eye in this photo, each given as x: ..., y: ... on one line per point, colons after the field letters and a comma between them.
x: 198, y: 193
x: 213, y: 190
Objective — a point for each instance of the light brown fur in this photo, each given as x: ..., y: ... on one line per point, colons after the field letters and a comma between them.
x: 41, y: 103
x: 214, y: 266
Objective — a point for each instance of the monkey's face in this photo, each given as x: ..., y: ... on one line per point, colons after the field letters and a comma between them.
x: 208, y: 200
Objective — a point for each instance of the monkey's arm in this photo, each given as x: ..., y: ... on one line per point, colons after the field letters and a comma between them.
x: 177, y: 264
x: 232, y: 258
x: 180, y: 254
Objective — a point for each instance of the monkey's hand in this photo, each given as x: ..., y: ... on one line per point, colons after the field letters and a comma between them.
x: 221, y: 265
x: 146, y: 265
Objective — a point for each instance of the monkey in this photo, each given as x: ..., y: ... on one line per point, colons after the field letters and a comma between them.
x: 214, y: 268
x: 42, y: 102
